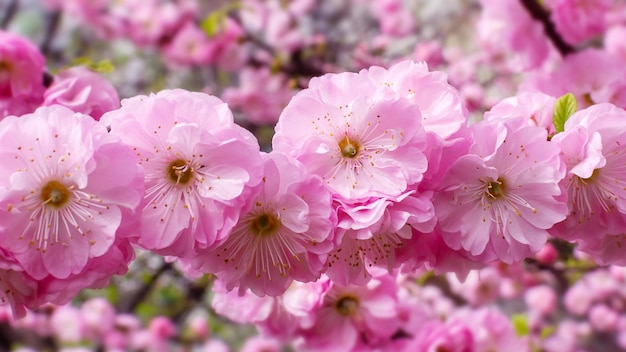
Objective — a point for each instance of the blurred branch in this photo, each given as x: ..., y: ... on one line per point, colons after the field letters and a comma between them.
x: 540, y: 14
x: 128, y: 306
x: 10, y: 10
x: 53, y: 19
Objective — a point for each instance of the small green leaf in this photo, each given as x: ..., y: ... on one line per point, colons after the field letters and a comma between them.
x: 547, y: 331
x: 565, y: 107
x: 104, y: 66
x: 520, y: 324
x: 213, y: 23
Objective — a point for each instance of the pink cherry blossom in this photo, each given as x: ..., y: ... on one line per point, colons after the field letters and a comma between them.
x: 580, y: 20
x: 503, y: 196
x: 599, y: 82
x: 506, y: 27
x: 66, y: 184
x: 593, y: 150
x: 197, y: 163
x: 82, y: 90
x: 370, y: 233
x: 348, y: 313
x: 440, y: 104
x: 21, y: 67
x: 261, y: 95
x: 21, y: 75
x: 526, y: 108
x: 283, y: 234
x: 362, y: 143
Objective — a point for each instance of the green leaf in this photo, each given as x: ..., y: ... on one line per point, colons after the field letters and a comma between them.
x: 213, y: 23
x: 565, y: 107
x: 520, y: 324
x: 547, y: 331
x: 104, y: 66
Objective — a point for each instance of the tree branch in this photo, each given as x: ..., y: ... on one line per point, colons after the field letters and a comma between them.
x: 540, y: 14
x: 10, y: 11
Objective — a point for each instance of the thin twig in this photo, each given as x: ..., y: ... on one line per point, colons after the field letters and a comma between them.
x: 540, y: 14
x: 53, y: 20
x: 11, y: 9
x: 128, y: 306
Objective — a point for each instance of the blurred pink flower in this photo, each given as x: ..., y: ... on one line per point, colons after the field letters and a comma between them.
x: 348, y: 313
x: 506, y: 27
x: 580, y: 20
x: 21, y: 67
x: 261, y: 95
x: 21, y: 75
x: 82, y: 90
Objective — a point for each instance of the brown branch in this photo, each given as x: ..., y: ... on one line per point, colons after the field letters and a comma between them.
x: 128, y: 306
x: 9, y: 12
x: 540, y: 14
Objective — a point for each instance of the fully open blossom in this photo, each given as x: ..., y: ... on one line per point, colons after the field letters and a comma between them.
x: 362, y: 141
x: 593, y: 148
x: 349, y: 313
x: 82, y: 90
x: 503, y: 196
x: 66, y: 184
x: 197, y: 164
x: 284, y: 232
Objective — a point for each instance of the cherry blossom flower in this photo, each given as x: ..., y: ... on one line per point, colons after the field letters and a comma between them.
x: 284, y: 232
x: 593, y: 149
x: 580, y: 20
x: 66, y: 185
x: 21, y: 75
x: 348, y: 313
x: 197, y: 164
x: 82, y: 90
x: 371, y: 233
x: 503, y: 196
x: 360, y: 143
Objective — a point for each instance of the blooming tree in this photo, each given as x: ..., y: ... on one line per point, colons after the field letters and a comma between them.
x: 296, y: 175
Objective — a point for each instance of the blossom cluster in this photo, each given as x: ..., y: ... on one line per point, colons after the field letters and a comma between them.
x: 373, y: 177
x: 370, y: 173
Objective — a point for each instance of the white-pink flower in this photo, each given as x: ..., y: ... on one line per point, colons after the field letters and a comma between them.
x: 593, y: 147
x: 503, y: 196
x: 66, y: 184
x: 284, y: 232
x: 363, y: 141
x: 198, y: 164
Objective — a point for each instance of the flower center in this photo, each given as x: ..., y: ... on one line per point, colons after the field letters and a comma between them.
x: 180, y: 172
x: 496, y: 189
x: 349, y: 148
x: 347, y: 306
x: 264, y: 224
x: 55, y: 194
